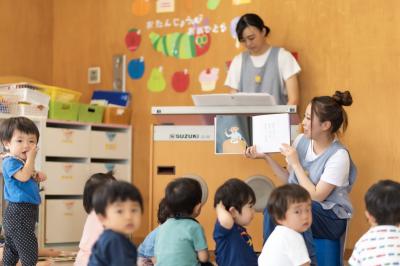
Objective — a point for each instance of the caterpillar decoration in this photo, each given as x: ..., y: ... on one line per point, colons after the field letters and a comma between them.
x: 181, y: 45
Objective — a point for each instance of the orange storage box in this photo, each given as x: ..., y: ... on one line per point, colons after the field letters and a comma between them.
x: 117, y: 115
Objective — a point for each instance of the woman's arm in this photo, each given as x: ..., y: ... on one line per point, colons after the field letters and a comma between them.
x: 278, y: 170
x: 292, y: 86
x: 318, y: 192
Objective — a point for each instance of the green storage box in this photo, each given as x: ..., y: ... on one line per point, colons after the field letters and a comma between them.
x: 64, y: 111
x: 91, y: 113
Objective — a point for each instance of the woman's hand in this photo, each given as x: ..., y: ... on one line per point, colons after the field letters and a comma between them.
x: 290, y: 154
x: 251, y: 152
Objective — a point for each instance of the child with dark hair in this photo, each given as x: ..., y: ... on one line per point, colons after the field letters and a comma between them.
x: 181, y: 240
x: 290, y: 207
x: 234, y: 202
x: 119, y: 206
x: 381, y: 244
x: 93, y: 227
x: 146, y: 249
x: 19, y: 136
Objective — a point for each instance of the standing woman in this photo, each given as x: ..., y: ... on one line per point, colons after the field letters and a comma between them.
x: 263, y: 68
x: 322, y: 165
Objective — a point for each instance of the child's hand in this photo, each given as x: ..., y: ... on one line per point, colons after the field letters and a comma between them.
x: 221, y: 205
x: 40, y: 177
x: 31, y: 154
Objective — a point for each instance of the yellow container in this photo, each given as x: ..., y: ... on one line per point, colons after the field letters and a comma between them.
x: 59, y: 94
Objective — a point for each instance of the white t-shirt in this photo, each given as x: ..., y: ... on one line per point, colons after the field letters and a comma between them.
x: 337, y: 167
x: 288, y: 67
x: 379, y: 246
x: 284, y: 247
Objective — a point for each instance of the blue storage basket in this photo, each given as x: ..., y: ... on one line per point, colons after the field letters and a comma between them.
x: 112, y: 97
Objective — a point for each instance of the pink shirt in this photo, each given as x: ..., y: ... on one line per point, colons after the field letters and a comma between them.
x: 91, y: 232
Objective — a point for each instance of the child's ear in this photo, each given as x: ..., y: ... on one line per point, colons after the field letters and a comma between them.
x: 6, y: 145
x: 197, y: 209
x: 101, y: 217
x: 371, y: 219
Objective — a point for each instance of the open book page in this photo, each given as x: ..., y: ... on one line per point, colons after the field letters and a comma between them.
x: 270, y: 131
x: 232, y: 134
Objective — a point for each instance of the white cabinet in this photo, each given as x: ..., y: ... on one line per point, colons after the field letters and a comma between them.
x: 66, y: 178
x: 72, y: 152
x: 68, y: 142
x: 64, y: 220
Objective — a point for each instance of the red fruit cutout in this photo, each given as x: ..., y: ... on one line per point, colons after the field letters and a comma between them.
x: 133, y: 39
x: 180, y: 81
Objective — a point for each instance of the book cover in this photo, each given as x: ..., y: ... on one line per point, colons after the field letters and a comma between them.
x: 234, y: 133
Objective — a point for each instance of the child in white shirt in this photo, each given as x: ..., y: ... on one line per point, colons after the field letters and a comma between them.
x: 381, y: 244
x: 290, y: 206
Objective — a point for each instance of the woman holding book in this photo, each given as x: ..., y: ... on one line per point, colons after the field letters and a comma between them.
x: 262, y: 68
x: 322, y: 165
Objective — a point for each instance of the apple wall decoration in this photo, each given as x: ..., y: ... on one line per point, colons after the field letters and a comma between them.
x: 156, y: 82
x: 180, y: 81
x: 136, y: 68
x: 133, y: 39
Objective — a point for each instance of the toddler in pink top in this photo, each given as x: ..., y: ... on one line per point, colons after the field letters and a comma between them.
x: 93, y: 227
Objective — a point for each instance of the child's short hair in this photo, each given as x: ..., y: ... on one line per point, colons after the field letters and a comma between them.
x: 234, y: 193
x: 182, y: 195
x: 21, y: 123
x: 115, y: 191
x: 163, y: 213
x: 382, y: 202
x: 93, y: 183
x: 282, y: 197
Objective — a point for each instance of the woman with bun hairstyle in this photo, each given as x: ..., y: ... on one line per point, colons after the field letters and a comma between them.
x: 322, y: 165
x: 262, y: 67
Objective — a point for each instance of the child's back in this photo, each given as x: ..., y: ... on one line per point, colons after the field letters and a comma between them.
x: 381, y: 244
x: 178, y: 240
x: 181, y: 240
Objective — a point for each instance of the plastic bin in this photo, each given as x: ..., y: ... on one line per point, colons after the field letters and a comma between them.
x: 117, y: 115
x: 91, y: 113
x: 25, y: 93
x: 64, y: 110
x: 58, y: 94
x: 112, y: 97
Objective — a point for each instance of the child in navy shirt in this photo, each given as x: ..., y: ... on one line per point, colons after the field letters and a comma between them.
x: 20, y: 136
x: 119, y: 207
x: 234, y: 202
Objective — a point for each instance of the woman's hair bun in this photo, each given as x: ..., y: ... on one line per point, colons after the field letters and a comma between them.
x: 343, y: 98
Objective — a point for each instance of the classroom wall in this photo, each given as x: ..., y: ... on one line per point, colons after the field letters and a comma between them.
x: 26, y: 39
x: 341, y: 44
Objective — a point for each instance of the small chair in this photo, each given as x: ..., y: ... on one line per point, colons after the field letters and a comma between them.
x: 331, y: 252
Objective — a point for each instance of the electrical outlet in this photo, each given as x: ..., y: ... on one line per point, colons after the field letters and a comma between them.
x: 119, y: 66
x: 94, y: 75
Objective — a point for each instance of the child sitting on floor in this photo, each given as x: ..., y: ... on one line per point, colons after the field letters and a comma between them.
x: 146, y: 249
x: 93, y: 227
x: 290, y: 207
x: 181, y: 240
x: 381, y: 244
x: 234, y: 202
x: 119, y: 206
